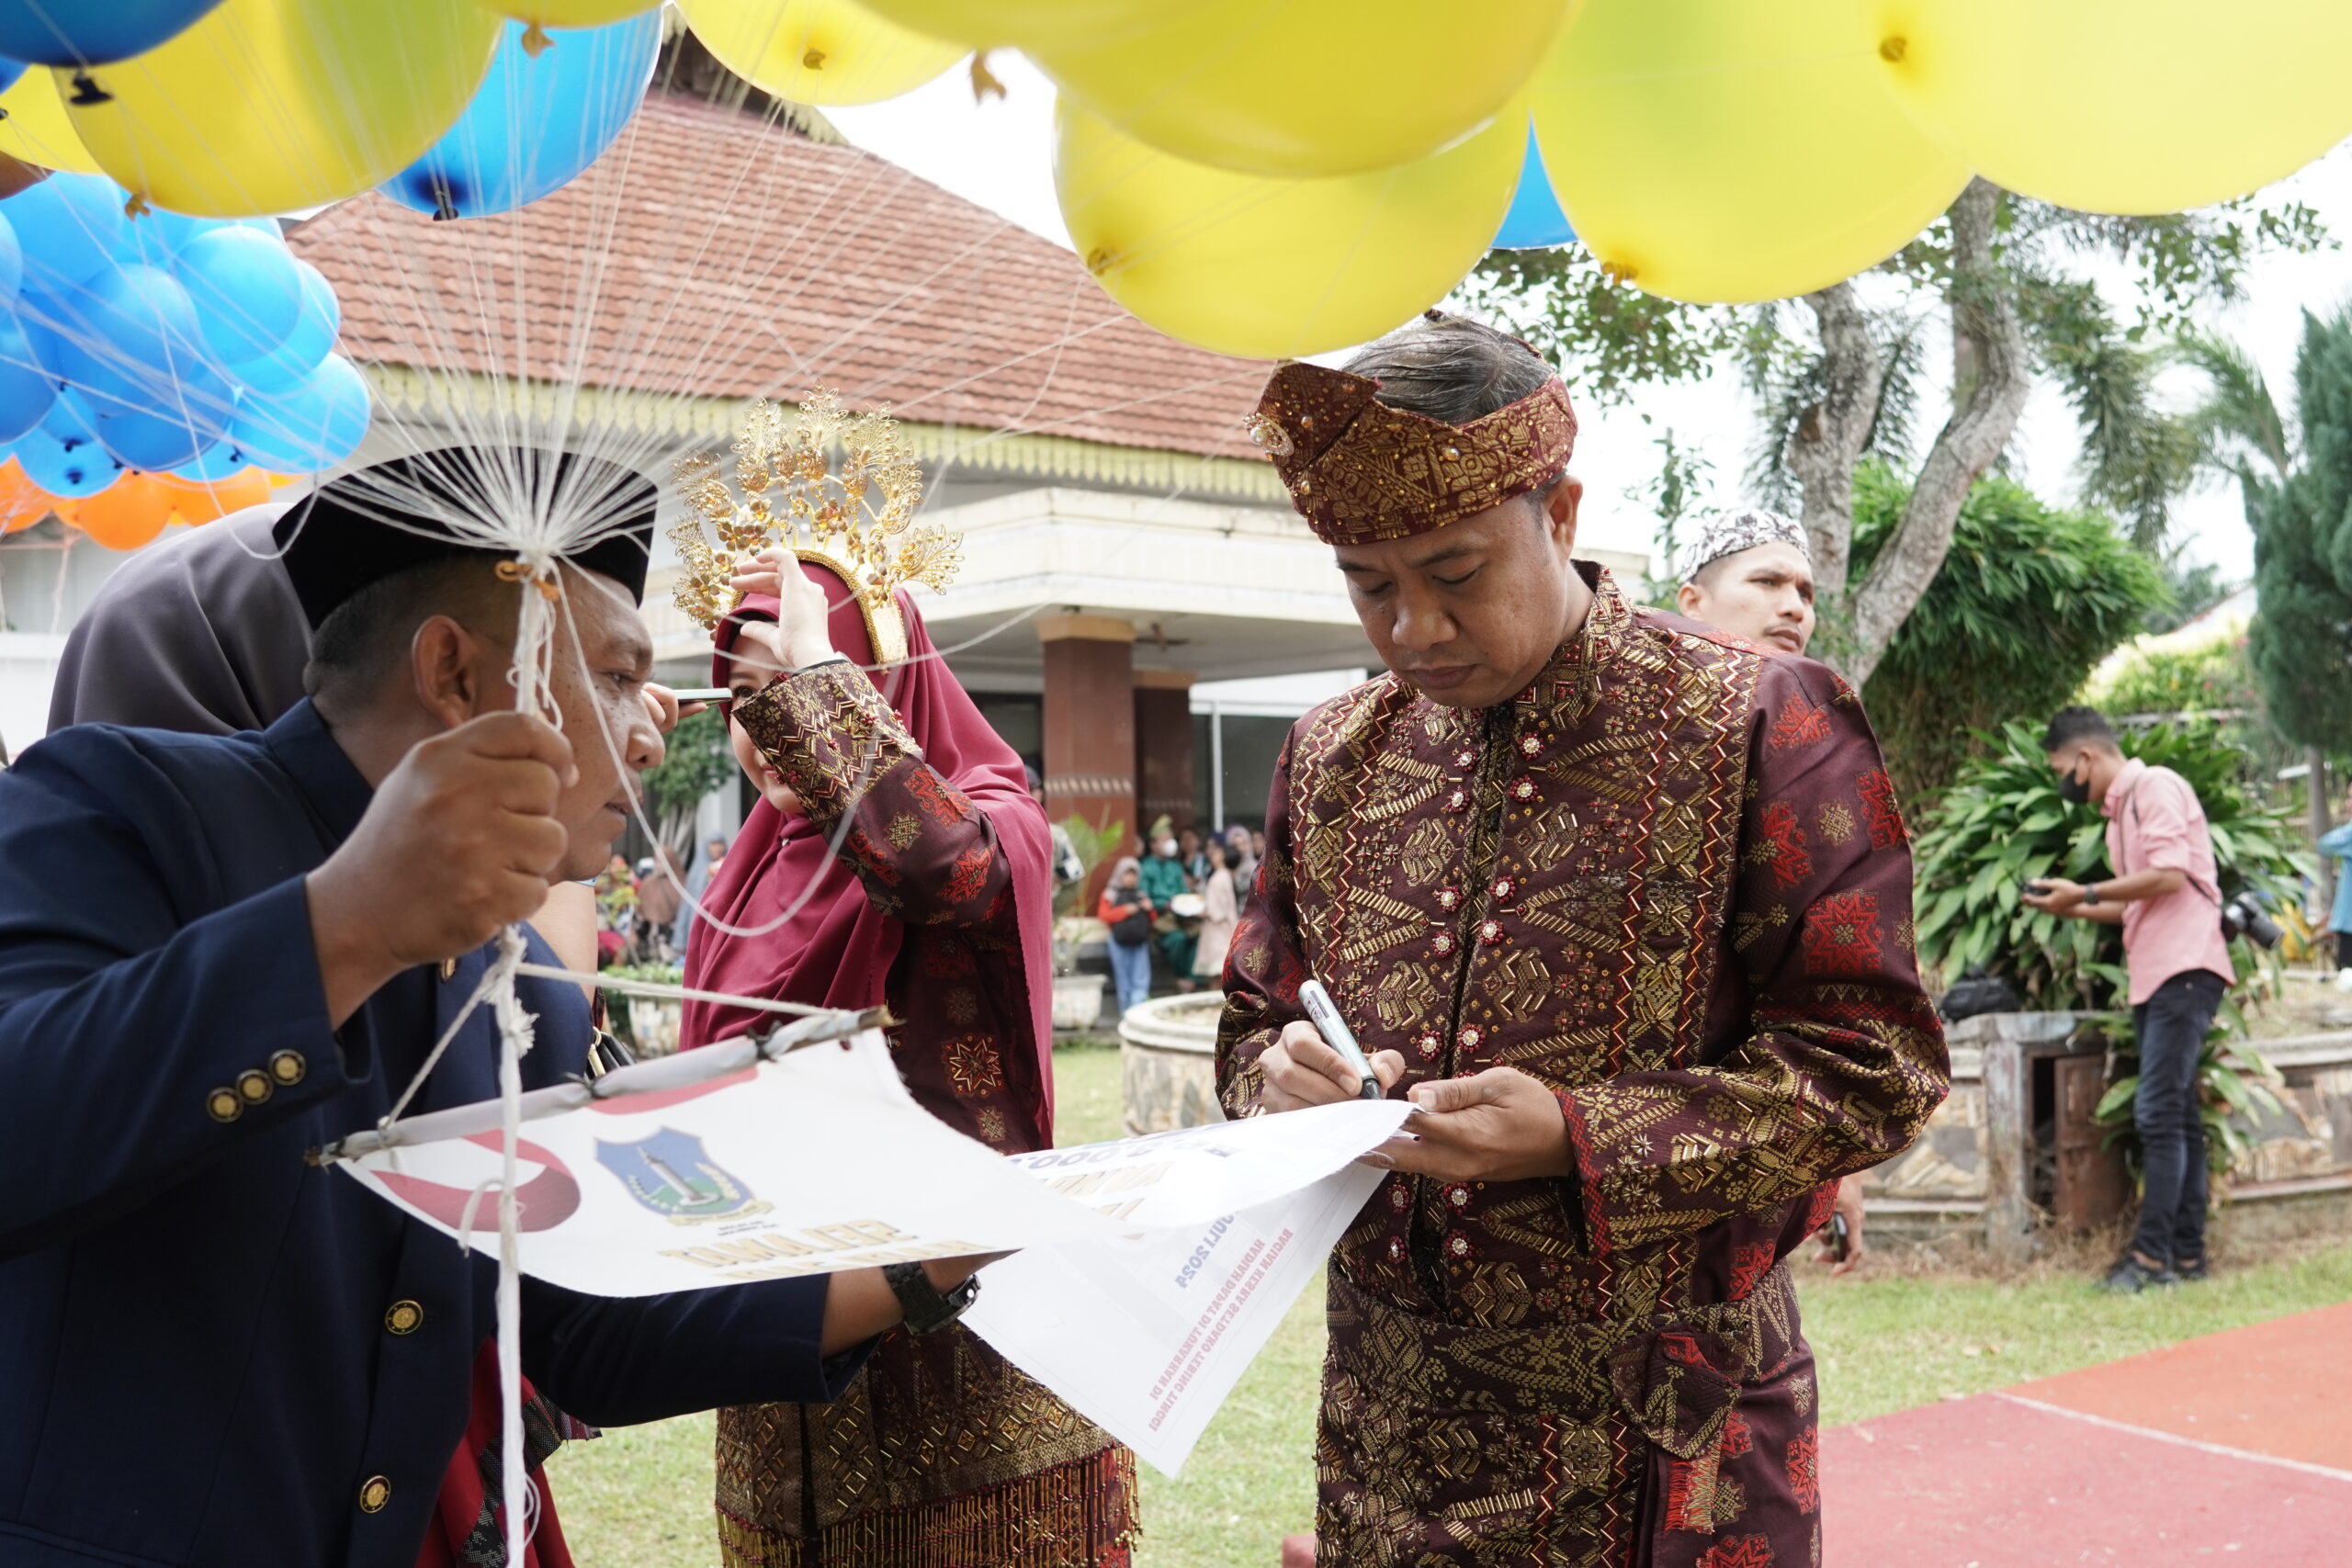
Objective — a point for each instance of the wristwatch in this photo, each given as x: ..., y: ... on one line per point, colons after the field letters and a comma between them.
x: 926, y: 1306
x: 2090, y: 894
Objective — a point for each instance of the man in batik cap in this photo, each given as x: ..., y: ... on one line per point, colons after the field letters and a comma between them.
x: 1748, y: 573
x: 1624, y: 908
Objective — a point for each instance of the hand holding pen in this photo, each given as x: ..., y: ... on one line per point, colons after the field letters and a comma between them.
x: 1499, y: 1124
x: 1303, y: 1068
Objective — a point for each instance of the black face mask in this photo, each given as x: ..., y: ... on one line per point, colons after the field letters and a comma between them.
x: 2075, y: 791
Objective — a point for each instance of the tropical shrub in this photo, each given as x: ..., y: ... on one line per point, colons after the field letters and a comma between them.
x: 2031, y: 598
x: 2003, y: 823
x: 2216, y: 679
x: 1092, y: 844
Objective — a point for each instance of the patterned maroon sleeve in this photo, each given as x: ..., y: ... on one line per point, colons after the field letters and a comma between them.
x: 1843, y: 1058
x: 925, y: 852
x: 1265, y: 963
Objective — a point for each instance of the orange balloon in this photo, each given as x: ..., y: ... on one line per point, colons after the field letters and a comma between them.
x: 126, y: 513
x: 22, y: 502
x: 194, y: 501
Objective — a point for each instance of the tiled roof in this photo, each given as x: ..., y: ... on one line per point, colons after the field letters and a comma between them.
x: 741, y: 258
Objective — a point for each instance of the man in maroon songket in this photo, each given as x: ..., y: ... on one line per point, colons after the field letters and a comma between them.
x: 897, y: 857
x: 1625, y: 908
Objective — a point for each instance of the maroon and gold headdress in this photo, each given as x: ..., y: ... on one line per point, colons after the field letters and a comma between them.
x: 1359, y: 470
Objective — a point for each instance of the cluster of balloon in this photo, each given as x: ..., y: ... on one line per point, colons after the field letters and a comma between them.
x: 1274, y: 177
x: 1263, y: 176
x: 1705, y: 149
x: 163, y: 354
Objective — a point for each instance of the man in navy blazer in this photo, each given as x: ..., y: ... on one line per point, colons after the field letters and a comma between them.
x: 218, y: 953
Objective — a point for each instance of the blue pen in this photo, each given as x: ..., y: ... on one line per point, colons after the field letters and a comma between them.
x: 1336, y: 1034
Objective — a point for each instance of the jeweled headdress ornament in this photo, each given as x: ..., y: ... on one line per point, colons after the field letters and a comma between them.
x: 1359, y: 470
x: 854, y: 516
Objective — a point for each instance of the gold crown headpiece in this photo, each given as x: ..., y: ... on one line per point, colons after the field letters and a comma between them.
x: 854, y: 516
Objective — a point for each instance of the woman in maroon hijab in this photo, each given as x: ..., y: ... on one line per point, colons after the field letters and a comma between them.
x: 896, y: 856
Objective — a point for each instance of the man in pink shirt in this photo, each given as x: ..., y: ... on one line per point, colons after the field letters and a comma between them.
x: 2165, y: 896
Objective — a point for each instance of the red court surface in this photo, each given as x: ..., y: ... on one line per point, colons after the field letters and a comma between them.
x: 2231, y: 1448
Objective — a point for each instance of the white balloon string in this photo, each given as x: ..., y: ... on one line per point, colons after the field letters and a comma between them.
x: 515, y: 1042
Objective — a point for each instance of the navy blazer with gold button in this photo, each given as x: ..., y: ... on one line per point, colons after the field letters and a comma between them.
x: 210, y: 1349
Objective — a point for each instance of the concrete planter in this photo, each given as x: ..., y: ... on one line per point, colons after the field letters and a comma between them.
x: 2014, y: 1152
x: 1077, y: 1001
x: 1168, y: 1063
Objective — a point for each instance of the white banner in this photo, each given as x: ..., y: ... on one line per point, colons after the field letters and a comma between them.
x: 1145, y: 1338
x: 1151, y: 1269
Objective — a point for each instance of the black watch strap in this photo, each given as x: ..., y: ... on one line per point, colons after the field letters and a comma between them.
x: 928, y: 1308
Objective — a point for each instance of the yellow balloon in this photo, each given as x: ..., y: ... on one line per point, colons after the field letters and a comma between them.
x: 818, y: 51
x: 1299, y: 88
x: 1276, y: 269
x: 2121, y: 106
x: 270, y: 105
x: 1026, y: 22
x: 36, y: 129
x: 570, y: 13
x: 1723, y: 151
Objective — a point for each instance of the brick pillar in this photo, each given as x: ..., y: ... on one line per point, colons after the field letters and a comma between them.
x: 1090, y: 719
x: 1163, y: 748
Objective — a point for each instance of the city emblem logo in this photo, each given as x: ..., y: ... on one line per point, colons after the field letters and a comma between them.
x: 670, y: 1174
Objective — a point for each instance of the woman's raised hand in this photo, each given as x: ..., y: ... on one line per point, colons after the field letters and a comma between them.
x: 802, y: 637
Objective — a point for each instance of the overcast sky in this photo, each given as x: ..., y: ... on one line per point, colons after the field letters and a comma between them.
x: 999, y: 155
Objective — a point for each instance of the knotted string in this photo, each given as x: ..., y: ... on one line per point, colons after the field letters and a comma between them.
x: 533, y: 675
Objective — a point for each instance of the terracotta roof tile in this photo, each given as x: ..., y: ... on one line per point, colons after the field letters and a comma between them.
x: 715, y: 253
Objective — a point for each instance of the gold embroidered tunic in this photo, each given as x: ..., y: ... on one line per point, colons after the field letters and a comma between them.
x: 1669, y: 880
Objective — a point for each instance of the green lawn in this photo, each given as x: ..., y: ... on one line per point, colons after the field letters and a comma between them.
x: 640, y: 1498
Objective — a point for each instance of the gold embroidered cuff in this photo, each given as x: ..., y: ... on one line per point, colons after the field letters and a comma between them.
x: 829, y: 735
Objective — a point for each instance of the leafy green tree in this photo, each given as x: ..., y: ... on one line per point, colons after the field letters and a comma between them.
x: 2301, y: 638
x: 1837, y: 375
x: 2029, y: 599
x: 698, y: 760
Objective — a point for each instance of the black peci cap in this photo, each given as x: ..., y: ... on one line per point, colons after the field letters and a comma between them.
x: 337, y: 542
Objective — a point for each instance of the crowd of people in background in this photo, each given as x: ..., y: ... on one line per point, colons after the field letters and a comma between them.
x: 644, y: 912
x: 1181, y: 903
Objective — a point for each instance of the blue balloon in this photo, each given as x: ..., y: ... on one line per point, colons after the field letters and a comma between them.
x: 1535, y: 221
x: 47, y: 348
x: 83, y: 470
x: 315, y: 426
x: 131, y: 338
x: 536, y: 122
x: 12, y: 260
x: 152, y: 444
x: 71, y: 422
x: 246, y: 291
x: 26, y: 392
x: 316, y: 325
x: 91, y: 32
x: 173, y: 231
x: 70, y: 226
x: 217, y: 462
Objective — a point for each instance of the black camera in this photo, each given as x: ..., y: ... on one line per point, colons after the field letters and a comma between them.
x: 2243, y: 917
